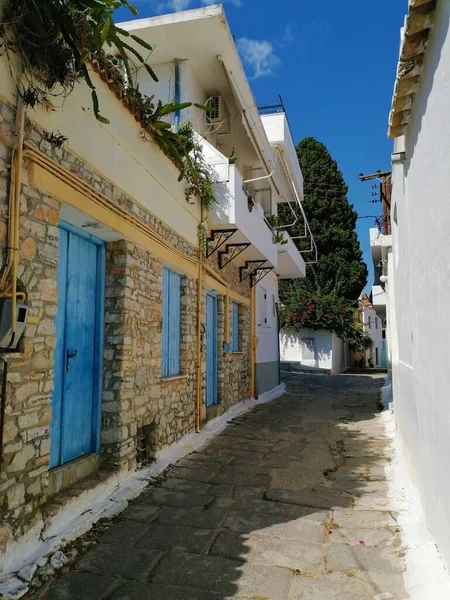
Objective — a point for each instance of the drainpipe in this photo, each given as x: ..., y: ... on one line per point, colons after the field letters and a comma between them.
x: 252, y: 343
x: 2, y: 408
x: 177, y: 94
x: 20, y: 124
x: 199, y: 339
x: 12, y: 264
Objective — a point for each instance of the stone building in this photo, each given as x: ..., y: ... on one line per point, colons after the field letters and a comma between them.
x: 119, y: 358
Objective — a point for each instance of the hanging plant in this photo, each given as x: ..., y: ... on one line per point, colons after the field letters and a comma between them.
x: 278, y: 237
x: 56, y: 41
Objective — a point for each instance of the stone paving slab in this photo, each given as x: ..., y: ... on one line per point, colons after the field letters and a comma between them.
x: 120, y: 561
x: 201, y: 519
x: 270, y: 551
x: 226, y: 576
x: 289, y: 502
x: 174, y: 537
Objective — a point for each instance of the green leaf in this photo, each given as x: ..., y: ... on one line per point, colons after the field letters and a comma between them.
x: 121, y: 31
x: 172, y: 107
x: 151, y: 72
x: 204, y: 107
x: 105, y: 29
x: 133, y: 51
x: 97, y: 110
x: 142, y: 42
x: 161, y: 125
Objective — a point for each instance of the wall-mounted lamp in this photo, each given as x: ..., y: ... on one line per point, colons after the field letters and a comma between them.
x: 398, y: 157
x: 384, y: 278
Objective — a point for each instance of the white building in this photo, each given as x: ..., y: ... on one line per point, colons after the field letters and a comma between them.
x: 201, y: 65
x: 313, y: 349
x: 380, y: 245
x: 159, y: 337
x: 418, y: 275
x: 372, y: 324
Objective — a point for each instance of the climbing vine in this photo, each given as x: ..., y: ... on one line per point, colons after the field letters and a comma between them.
x: 325, y: 312
x: 57, y: 41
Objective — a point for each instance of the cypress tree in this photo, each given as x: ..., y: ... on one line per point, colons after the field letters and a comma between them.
x: 340, y: 273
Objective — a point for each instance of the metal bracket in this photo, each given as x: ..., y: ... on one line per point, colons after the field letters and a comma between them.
x: 251, y: 266
x: 259, y: 275
x: 232, y: 251
x: 219, y: 238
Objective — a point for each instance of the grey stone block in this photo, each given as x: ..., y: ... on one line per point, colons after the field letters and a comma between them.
x: 174, y: 537
x: 142, y: 591
x: 163, y: 497
x: 225, y: 577
x: 268, y: 550
x: 119, y: 561
x: 125, y: 533
x: 81, y: 586
x: 203, y: 519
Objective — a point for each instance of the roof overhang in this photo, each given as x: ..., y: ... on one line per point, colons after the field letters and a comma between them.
x: 415, y: 36
x: 203, y: 37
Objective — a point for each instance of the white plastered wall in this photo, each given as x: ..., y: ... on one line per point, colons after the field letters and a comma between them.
x: 116, y: 151
x: 419, y: 284
x: 267, y: 332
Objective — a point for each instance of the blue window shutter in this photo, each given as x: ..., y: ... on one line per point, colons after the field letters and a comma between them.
x: 235, y: 328
x: 165, y: 324
x: 174, y: 312
x: 171, y: 324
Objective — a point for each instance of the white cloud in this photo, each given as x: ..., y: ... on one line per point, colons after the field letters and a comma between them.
x: 259, y: 56
x: 161, y: 6
x: 177, y: 5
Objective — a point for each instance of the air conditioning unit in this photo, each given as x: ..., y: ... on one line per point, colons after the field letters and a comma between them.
x: 217, y: 117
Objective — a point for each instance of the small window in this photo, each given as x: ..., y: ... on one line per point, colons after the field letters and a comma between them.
x: 376, y: 357
x: 263, y: 306
x: 235, y: 328
x: 370, y: 322
x: 274, y: 306
x: 383, y: 334
x: 171, y: 324
x: 376, y: 322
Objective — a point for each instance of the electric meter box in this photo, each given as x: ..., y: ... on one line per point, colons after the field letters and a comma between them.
x: 5, y: 323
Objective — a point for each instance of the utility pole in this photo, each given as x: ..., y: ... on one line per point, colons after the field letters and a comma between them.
x: 385, y: 179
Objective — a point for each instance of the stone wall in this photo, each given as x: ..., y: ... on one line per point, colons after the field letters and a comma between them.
x: 24, y: 471
x: 134, y: 394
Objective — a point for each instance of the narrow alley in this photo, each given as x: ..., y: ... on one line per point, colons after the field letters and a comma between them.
x: 289, y: 502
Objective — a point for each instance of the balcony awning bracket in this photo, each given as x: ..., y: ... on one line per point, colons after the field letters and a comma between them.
x: 218, y: 238
x: 230, y: 253
x: 251, y: 266
x: 259, y: 275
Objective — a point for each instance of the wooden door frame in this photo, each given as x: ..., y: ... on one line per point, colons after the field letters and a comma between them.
x: 98, y: 336
x: 216, y: 325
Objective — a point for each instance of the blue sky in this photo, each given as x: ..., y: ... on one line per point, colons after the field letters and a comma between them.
x: 333, y: 62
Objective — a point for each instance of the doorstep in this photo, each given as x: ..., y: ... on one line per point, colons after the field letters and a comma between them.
x: 212, y: 412
x: 63, y: 477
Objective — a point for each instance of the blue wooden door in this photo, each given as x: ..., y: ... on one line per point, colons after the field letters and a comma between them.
x: 211, y: 350
x: 78, y: 355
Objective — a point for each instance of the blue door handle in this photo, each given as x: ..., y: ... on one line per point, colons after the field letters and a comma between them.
x: 69, y: 355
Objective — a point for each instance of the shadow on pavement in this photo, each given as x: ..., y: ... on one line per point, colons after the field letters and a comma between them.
x: 289, y: 502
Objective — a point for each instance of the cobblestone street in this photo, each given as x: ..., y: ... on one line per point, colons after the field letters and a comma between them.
x: 289, y: 502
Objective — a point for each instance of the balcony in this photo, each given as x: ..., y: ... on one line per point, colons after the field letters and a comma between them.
x: 379, y: 299
x: 290, y: 262
x: 233, y: 210
x: 379, y: 244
